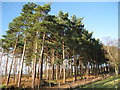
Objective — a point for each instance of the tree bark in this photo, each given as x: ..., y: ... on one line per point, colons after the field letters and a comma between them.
x: 21, y: 65
x: 96, y: 69
x: 60, y: 75
x: 15, y: 69
x: 116, y: 70
x: 64, y: 64
x: 71, y: 70
x: 56, y: 71
x: 53, y: 57
x: 87, y: 69
x: 1, y: 55
x: 34, y: 61
x: 41, y: 60
x: 52, y: 71
x: 75, y: 70
x: 6, y: 66
x: 47, y: 70
x: 80, y: 65
x: 8, y: 78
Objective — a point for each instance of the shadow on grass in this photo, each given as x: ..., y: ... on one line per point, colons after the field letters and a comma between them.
x: 101, y: 83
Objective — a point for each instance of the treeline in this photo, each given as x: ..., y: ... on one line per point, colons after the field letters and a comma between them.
x: 36, y: 37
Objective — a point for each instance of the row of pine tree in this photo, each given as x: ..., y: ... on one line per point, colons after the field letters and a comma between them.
x: 36, y: 37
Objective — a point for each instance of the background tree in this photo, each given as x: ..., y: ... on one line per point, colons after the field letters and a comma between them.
x: 111, y: 51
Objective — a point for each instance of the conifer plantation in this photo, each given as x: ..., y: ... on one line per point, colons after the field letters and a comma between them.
x: 43, y: 50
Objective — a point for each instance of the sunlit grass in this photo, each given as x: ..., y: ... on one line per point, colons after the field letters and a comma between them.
x: 2, y: 86
x: 111, y: 82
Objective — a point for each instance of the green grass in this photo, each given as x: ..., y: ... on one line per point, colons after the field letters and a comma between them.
x: 111, y: 82
x: 2, y: 86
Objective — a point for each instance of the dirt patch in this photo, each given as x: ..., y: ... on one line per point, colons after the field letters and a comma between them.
x: 70, y: 83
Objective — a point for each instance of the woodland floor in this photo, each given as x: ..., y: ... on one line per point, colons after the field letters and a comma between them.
x: 102, y: 81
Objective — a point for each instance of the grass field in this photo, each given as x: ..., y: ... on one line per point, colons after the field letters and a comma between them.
x: 2, y: 86
x: 111, y: 82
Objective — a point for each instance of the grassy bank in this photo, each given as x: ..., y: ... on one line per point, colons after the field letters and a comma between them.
x: 111, y: 82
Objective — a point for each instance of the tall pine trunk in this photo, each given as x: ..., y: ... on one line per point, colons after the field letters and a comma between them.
x: 116, y: 70
x: 53, y: 57
x: 1, y: 55
x: 52, y: 72
x: 8, y: 77
x: 96, y: 69
x: 71, y: 70
x: 56, y: 71
x: 87, y: 69
x: 6, y: 65
x: 64, y: 64
x: 80, y: 67
x: 75, y: 70
x: 60, y: 75
x: 41, y: 60
x: 15, y: 69
x: 21, y: 65
x: 34, y: 61
x: 47, y: 70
